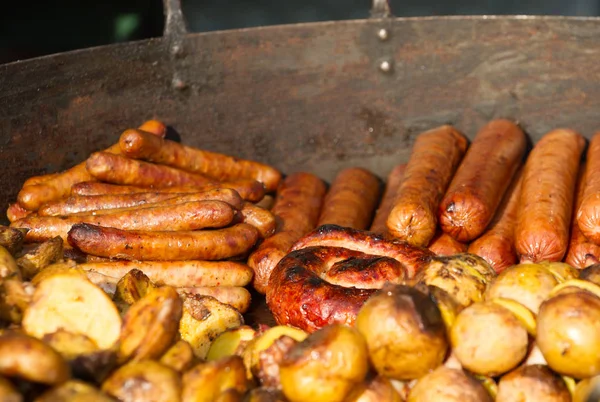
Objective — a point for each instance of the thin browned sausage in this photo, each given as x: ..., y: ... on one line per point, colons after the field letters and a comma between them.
x: 581, y: 252
x: 32, y: 181
x: 59, y: 186
x: 387, y: 201
x: 297, y: 207
x: 178, y: 273
x: 120, y: 170
x: 444, y: 244
x: 481, y: 180
x: 139, y: 145
x: 16, y: 212
x: 546, y: 202
x: 351, y: 199
x: 249, y: 190
x: 109, y: 203
x: 497, y: 244
x: 187, y: 216
x: 588, y: 213
x: 145, y: 245
x: 260, y: 218
x: 433, y: 161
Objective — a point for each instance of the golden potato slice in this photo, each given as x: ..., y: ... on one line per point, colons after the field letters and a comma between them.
x: 66, y: 267
x: 131, y: 287
x: 15, y: 297
x: 41, y: 256
x: 150, y: 325
x: 179, y: 357
x: 231, y: 342
x: 74, y: 391
x: 144, y: 381
x: 12, y: 239
x: 72, y: 303
x: 30, y: 359
x: 8, y: 266
x: 204, y: 318
x: 8, y: 392
x: 206, y: 381
x: 448, y: 385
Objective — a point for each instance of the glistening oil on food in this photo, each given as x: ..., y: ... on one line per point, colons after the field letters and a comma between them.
x: 469, y: 273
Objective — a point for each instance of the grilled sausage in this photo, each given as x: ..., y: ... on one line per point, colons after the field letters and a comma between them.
x: 434, y: 158
x: 351, y: 199
x: 317, y: 286
x: 387, y: 201
x: 260, y: 218
x: 187, y: 216
x: 32, y: 181
x: 481, y: 180
x: 108, y: 203
x: 120, y: 170
x: 139, y: 145
x: 497, y: 244
x: 546, y: 201
x: 581, y: 252
x: 297, y: 207
x: 178, y: 273
x: 16, y: 212
x: 59, y: 186
x: 413, y: 257
x: 249, y: 190
x: 444, y: 244
x: 236, y: 296
x: 145, y: 245
x: 588, y: 213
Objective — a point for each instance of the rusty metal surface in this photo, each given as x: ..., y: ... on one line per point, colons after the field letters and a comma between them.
x: 303, y: 97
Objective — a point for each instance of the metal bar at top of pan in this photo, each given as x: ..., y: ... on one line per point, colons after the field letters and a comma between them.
x: 381, y: 9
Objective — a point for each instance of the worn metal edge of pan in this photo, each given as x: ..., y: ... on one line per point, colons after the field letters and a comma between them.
x: 308, y: 96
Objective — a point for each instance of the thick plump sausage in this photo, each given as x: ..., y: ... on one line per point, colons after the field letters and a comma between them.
x: 260, y: 218
x: 351, y: 199
x: 481, y: 180
x: 434, y: 158
x: 144, y: 245
x: 497, y: 244
x: 588, y: 213
x: 444, y: 244
x: 296, y: 209
x: 387, y: 201
x: 139, y: 145
x: 16, y: 212
x: 413, y: 257
x: 117, y: 169
x: 187, y: 216
x: 59, y: 185
x: 581, y: 252
x: 547, y: 192
x: 317, y: 286
x: 249, y: 190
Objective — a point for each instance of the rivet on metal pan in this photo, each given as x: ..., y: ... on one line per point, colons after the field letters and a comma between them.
x: 386, y: 66
x: 383, y: 34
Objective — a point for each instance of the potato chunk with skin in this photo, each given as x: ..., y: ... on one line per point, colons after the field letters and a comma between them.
x: 206, y: 381
x: 231, y: 342
x: 203, y: 319
x: 15, y: 297
x: 30, y: 359
x: 179, y: 357
x: 71, y: 302
x: 74, y: 391
x: 12, y: 238
x: 150, y: 325
x: 131, y: 287
x: 375, y: 389
x: 41, y: 256
x: 144, y: 381
x: 448, y: 385
x: 532, y: 383
x: 8, y: 266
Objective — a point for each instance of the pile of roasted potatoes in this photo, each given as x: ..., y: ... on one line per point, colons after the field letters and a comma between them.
x: 456, y: 332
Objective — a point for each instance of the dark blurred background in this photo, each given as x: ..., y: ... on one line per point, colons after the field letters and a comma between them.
x: 35, y: 28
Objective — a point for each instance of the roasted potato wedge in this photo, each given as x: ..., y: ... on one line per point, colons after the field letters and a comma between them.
x: 448, y: 385
x: 532, y: 383
x: 74, y: 391
x: 72, y: 303
x: 204, y: 318
x: 8, y: 266
x: 231, y: 342
x: 15, y: 297
x: 12, y: 239
x: 325, y: 366
x: 150, y: 325
x: 144, y: 381
x: 179, y: 357
x: 66, y: 267
x: 40, y: 257
x: 269, y: 360
x: 8, y: 392
x: 28, y: 358
x: 131, y: 287
x: 68, y: 344
x: 207, y: 381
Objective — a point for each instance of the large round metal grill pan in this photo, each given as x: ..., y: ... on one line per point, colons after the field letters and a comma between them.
x: 316, y: 97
